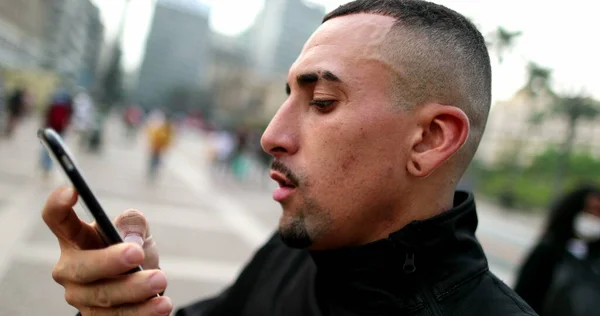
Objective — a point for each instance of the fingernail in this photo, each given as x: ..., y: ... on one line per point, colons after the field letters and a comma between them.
x: 66, y: 195
x: 158, y: 282
x: 164, y: 306
x: 133, y: 255
x: 134, y: 239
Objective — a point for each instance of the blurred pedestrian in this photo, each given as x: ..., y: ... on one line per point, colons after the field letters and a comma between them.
x: 58, y: 117
x: 240, y: 162
x: 387, y: 103
x: 132, y: 117
x: 2, y: 102
x: 222, y: 146
x: 17, y: 106
x: 84, y: 117
x: 160, y: 137
x: 155, y: 117
x: 561, y: 276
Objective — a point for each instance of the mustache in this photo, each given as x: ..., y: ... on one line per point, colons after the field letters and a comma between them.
x: 278, y: 166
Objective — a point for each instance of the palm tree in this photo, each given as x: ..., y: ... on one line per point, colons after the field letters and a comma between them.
x: 538, y: 80
x: 502, y: 42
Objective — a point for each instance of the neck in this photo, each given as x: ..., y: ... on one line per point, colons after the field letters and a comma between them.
x: 416, y: 204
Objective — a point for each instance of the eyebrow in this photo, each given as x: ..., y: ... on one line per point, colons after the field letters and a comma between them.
x: 313, y: 77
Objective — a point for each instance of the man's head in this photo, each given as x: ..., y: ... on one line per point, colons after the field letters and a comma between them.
x: 387, y: 104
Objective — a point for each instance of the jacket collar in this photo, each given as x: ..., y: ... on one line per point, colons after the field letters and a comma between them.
x: 439, y: 253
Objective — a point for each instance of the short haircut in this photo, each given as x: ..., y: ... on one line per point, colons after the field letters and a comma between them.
x: 443, y: 56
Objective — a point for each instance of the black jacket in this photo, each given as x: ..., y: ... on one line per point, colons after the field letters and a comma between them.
x: 433, y: 267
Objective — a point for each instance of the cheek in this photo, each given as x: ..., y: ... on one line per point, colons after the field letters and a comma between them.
x: 348, y: 159
x: 348, y: 163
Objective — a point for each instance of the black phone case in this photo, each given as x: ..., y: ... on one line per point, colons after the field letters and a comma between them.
x: 55, y: 146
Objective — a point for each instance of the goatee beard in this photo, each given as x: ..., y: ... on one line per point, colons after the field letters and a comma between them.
x: 296, y: 235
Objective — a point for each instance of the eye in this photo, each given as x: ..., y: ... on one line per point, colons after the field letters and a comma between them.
x: 322, y: 105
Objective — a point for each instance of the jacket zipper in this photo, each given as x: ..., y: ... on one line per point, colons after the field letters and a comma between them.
x: 430, y: 302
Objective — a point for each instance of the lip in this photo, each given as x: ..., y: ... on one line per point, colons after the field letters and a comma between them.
x: 285, y: 189
x: 283, y: 193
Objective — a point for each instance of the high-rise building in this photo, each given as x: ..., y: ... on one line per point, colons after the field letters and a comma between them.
x: 66, y: 38
x: 63, y: 36
x: 88, y: 74
x: 177, y: 52
x: 23, y: 26
x: 279, y: 33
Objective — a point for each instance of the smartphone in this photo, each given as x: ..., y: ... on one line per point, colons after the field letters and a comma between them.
x: 59, y: 152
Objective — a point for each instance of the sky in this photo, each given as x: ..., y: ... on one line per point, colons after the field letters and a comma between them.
x: 557, y: 35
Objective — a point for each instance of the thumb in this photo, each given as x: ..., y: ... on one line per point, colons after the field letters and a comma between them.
x: 134, y: 228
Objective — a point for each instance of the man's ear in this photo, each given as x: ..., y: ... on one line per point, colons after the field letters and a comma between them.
x: 444, y: 130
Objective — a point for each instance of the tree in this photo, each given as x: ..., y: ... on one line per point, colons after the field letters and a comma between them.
x: 572, y: 108
x: 502, y: 42
x: 537, y: 89
x: 538, y: 81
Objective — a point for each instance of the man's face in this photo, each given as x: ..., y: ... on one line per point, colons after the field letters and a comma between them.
x: 339, y: 143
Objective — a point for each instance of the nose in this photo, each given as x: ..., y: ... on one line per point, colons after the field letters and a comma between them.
x: 281, y: 136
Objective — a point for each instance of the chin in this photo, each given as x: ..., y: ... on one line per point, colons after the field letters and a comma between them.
x: 293, y: 231
x: 301, y: 224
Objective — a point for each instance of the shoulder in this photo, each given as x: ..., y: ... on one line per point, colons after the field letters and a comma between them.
x: 517, y: 306
x: 488, y: 295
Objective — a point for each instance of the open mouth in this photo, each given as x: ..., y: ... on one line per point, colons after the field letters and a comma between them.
x: 283, y: 181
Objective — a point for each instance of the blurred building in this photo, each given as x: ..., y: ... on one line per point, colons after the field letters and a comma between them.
x: 63, y: 36
x: 231, y: 78
x: 279, y: 33
x: 240, y: 94
x: 23, y: 32
x: 248, y: 72
x: 177, y: 52
x: 89, y: 73
x: 72, y: 34
x: 509, y: 126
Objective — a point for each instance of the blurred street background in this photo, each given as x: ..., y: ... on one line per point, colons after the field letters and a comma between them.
x: 163, y: 103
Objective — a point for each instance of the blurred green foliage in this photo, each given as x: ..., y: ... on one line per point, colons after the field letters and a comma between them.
x: 533, y: 187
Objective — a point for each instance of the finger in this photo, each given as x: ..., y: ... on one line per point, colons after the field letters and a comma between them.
x: 59, y: 216
x: 158, y: 306
x: 91, y: 265
x: 130, y: 289
x: 133, y: 225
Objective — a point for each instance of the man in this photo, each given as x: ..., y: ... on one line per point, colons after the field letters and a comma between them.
x: 160, y: 137
x: 57, y: 117
x: 2, y: 101
x: 387, y: 104
x: 84, y: 117
x: 17, y: 106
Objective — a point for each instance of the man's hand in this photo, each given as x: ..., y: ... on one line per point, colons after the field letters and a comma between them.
x: 93, y: 275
